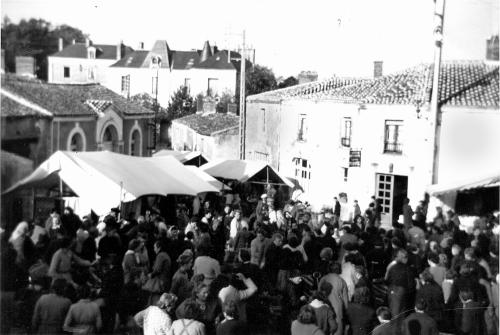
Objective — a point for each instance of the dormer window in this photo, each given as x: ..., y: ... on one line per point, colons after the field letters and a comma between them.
x: 156, y: 61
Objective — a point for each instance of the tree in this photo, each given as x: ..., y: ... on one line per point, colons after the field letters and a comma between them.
x: 259, y: 79
x: 290, y: 81
x: 37, y: 37
x: 181, y: 104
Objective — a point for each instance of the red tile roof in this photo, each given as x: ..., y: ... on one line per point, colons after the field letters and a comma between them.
x: 69, y: 100
x: 209, y: 124
x: 462, y: 83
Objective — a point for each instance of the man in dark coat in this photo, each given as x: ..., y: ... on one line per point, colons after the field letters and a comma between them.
x: 386, y: 326
x: 419, y: 320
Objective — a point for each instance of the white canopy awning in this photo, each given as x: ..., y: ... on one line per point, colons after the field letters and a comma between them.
x: 446, y: 188
x: 245, y: 171
x: 106, y: 178
x: 208, y: 178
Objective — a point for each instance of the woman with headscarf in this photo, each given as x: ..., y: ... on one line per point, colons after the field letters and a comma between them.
x: 325, y: 315
x: 207, y: 305
x: 157, y: 318
x: 21, y: 244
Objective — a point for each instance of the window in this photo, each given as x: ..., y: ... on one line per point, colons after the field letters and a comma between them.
x: 346, y: 132
x: 385, y: 191
x: 135, y: 143
x: 263, y: 117
x: 261, y: 156
x: 125, y: 85
x: 76, y: 143
x: 392, y: 142
x: 302, y: 127
x: 303, y: 172
x: 66, y: 72
x: 212, y: 86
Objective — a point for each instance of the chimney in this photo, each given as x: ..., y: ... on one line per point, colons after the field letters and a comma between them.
x: 206, y: 52
x: 119, y: 50
x: 378, y: 66
x: 492, y: 48
x: 141, y: 45
x: 73, y: 41
x: 87, y: 42
x: 60, y: 44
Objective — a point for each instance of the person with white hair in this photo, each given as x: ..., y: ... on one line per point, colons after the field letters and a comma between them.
x: 157, y: 319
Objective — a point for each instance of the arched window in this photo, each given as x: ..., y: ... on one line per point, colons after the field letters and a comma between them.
x: 76, y: 139
x: 135, y: 143
x: 110, y: 139
x: 76, y: 142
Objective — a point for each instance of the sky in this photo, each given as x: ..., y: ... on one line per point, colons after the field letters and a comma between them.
x: 331, y: 37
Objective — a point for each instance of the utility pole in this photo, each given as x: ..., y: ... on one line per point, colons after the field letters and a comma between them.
x: 436, y: 115
x: 242, y: 100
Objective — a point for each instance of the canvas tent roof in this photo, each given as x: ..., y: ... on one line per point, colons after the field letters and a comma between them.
x: 446, y: 188
x: 182, y: 156
x: 208, y: 178
x: 245, y: 171
x: 104, y: 178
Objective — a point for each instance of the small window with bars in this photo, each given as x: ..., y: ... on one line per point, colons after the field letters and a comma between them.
x: 393, y: 136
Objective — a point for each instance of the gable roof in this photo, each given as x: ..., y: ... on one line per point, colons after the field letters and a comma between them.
x: 68, y: 100
x: 133, y: 59
x: 462, y: 83
x: 218, y: 61
x: 104, y: 51
x: 209, y: 124
x: 184, y: 60
x: 180, y: 60
x: 12, y: 106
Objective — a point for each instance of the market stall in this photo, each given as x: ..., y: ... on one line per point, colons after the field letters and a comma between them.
x: 105, y: 179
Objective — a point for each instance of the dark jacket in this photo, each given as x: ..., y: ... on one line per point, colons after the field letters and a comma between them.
x: 361, y: 318
x: 432, y: 294
x: 422, y: 321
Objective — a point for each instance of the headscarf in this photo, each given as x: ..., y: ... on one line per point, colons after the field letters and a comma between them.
x: 21, y: 230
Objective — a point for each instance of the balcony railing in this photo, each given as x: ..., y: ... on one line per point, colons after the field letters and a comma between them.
x: 393, y: 148
x: 345, y: 141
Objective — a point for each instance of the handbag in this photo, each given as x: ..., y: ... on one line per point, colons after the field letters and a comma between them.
x: 153, y: 285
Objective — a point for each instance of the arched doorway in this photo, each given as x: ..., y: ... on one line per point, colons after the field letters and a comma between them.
x: 110, y: 139
x: 135, y: 143
x: 76, y: 142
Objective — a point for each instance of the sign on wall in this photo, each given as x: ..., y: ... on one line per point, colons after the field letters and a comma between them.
x: 355, y: 158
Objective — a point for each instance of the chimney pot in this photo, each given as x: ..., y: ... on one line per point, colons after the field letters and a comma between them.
x: 378, y: 69
x: 119, y: 50
x: 141, y: 45
x: 60, y: 44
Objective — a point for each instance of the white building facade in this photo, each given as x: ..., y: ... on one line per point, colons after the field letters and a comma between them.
x: 376, y: 137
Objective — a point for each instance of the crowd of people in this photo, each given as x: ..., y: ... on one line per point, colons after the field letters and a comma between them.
x: 249, y: 265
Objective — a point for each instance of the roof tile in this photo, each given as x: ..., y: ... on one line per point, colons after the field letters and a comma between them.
x: 209, y: 124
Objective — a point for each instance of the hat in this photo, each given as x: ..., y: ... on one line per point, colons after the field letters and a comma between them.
x: 401, y: 219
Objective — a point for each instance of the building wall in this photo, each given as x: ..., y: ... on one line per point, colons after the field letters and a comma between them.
x: 224, y: 145
x: 141, y: 81
x: 262, y: 139
x: 27, y: 136
x: 130, y: 125
x: 79, y: 70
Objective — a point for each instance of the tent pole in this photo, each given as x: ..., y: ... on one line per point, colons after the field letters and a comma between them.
x: 267, y: 174
x: 121, y: 202
x: 61, y: 203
